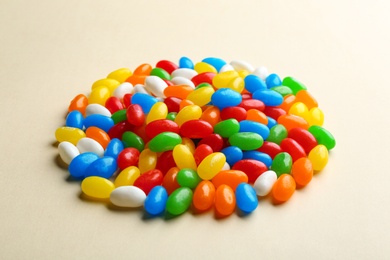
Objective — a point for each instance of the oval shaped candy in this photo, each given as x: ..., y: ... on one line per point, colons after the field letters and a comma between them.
x: 148, y: 180
x: 103, y: 167
x: 264, y: 183
x: 283, y: 188
x: 128, y: 196
x: 179, y: 201
x: 67, y: 151
x: 252, y: 168
x: 319, y: 157
x: 97, y: 187
x: 204, y: 194
x: 156, y: 200
x: 232, y: 178
x: 246, y: 140
x: 225, y: 200
x: 246, y: 198
x: 80, y: 163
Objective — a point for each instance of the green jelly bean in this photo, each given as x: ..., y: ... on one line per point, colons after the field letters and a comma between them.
x: 202, y: 85
x: 188, y: 178
x: 171, y: 116
x: 277, y: 133
x: 119, y: 116
x: 293, y: 84
x: 323, y: 136
x: 282, y: 163
x: 282, y: 90
x: 227, y: 127
x: 161, y: 73
x: 246, y: 140
x: 179, y: 201
x: 130, y: 139
x: 164, y: 142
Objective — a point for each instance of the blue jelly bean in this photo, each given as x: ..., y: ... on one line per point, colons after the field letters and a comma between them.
x: 217, y: 63
x: 80, y: 163
x: 144, y: 100
x: 273, y: 80
x: 271, y: 122
x: 75, y: 119
x: 103, y: 167
x: 156, y: 200
x: 233, y: 154
x: 253, y: 83
x: 268, y: 97
x: 225, y: 97
x: 103, y: 122
x: 246, y: 198
x: 186, y: 63
x: 258, y: 156
x: 114, y: 147
x: 255, y: 127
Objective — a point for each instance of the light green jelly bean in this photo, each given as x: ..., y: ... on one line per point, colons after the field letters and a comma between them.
x: 131, y: 139
x: 227, y: 127
x: 188, y: 178
x: 246, y: 140
x: 293, y: 84
x: 202, y: 85
x: 179, y: 201
x: 171, y: 116
x: 164, y: 142
x: 282, y: 163
x: 119, y: 116
x: 282, y: 90
x: 277, y: 133
x: 161, y: 73
x: 323, y: 136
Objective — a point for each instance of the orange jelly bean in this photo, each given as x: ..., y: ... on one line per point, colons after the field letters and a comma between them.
x: 302, y: 171
x: 204, y: 194
x: 283, y: 188
x: 98, y: 135
x: 136, y: 79
x: 211, y: 115
x: 143, y: 69
x: 230, y: 177
x: 79, y: 102
x: 257, y: 116
x: 178, y: 91
x: 289, y: 100
x: 291, y: 121
x: 185, y: 102
x: 225, y: 200
x: 305, y: 97
x: 169, y: 182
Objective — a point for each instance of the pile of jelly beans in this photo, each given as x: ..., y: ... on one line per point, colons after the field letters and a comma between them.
x: 209, y: 135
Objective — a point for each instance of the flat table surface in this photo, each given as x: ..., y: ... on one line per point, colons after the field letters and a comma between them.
x: 50, y: 51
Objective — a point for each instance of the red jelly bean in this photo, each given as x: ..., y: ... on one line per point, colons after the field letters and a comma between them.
x: 159, y: 126
x: 246, y: 96
x: 173, y: 104
x: 165, y: 162
x: 206, y: 77
x: 148, y: 180
x: 196, y: 129
x: 274, y: 112
x: 252, y: 168
x: 127, y: 100
x: 128, y: 157
x: 167, y: 65
x: 215, y: 141
x: 293, y: 148
x: 135, y: 115
x: 119, y: 129
x: 252, y: 104
x: 201, y: 152
x: 304, y: 138
x: 238, y: 113
x: 270, y: 148
x: 170, y: 182
x: 169, y: 83
x: 114, y: 104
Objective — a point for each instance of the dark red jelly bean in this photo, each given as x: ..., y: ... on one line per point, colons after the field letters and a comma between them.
x: 127, y: 100
x: 238, y: 113
x: 292, y: 147
x: 201, y: 152
x: 215, y: 141
x: 274, y: 112
x: 148, y: 180
x: 196, y: 129
x: 165, y: 162
x: 304, y: 138
x: 252, y: 104
x: 270, y: 148
x: 128, y: 157
x: 135, y: 115
x: 119, y: 129
x: 252, y: 168
x: 206, y: 77
x: 159, y: 126
x: 167, y: 65
x: 173, y: 104
x: 114, y: 104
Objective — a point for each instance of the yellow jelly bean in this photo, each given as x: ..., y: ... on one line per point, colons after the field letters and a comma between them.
x: 99, y: 95
x: 299, y: 109
x: 127, y: 176
x: 147, y: 160
x: 202, y: 67
x: 319, y: 157
x: 158, y: 111
x: 69, y: 134
x: 188, y: 113
x: 189, y: 143
x: 97, y: 187
x: 221, y: 80
x: 315, y: 117
x: 201, y: 96
x: 111, y: 84
x: 120, y: 74
x: 183, y: 157
x: 243, y: 73
x: 211, y: 165
x: 237, y: 84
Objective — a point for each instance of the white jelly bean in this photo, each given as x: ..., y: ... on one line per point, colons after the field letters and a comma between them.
x: 139, y: 88
x: 97, y: 109
x: 264, y: 183
x: 182, y: 81
x: 128, y: 196
x: 261, y: 72
x: 242, y: 65
x: 67, y: 151
x: 226, y: 67
x: 123, y: 89
x: 155, y: 85
x: 226, y: 167
x: 184, y: 72
x: 87, y: 144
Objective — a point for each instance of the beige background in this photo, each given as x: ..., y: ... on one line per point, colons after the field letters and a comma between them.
x: 52, y: 50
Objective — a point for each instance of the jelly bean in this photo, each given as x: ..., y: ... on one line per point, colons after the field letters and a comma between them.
x: 110, y: 84
x: 233, y: 154
x: 242, y: 65
x: 158, y: 111
x: 159, y: 126
x: 170, y: 182
x: 282, y: 90
x: 185, y: 102
x: 128, y: 157
x: 185, y: 73
x: 274, y: 112
x: 74, y: 119
x: 206, y: 77
x: 305, y: 97
x: 319, y: 157
x: 261, y: 72
x: 135, y: 115
x: 249, y: 104
x: 201, y: 152
x: 155, y: 85
x: 237, y: 84
x: 140, y: 88
x: 97, y: 187
x: 119, y: 129
x: 304, y: 138
x: 119, y: 116
x: 144, y: 100
x: 67, y: 151
x: 202, y: 67
x: 123, y: 89
x: 226, y: 67
x: 99, y: 95
x: 217, y: 63
x: 268, y: 97
x: 215, y: 141
x: 189, y: 143
x: 79, y: 103
x: 225, y: 97
x: 225, y: 200
x: 264, y: 183
x: 246, y: 198
x: 271, y: 122
x: 178, y: 91
x: 257, y: 116
x: 252, y: 168
x: 147, y: 160
x: 250, y: 126
x: 179, y: 201
x: 254, y: 83
x: 98, y: 135
x: 114, y: 147
x: 237, y: 113
x: 100, y: 121
x: 143, y: 69
x: 201, y: 96
x: 299, y: 109
x: 113, y: 104
x: 185, y: 62
x: 69, y: 134
x: 126, y: 101
x: 80, y: 163
x: 183, y: 157
x: 315, y: 117
x: 288, y: 101
x: 282, y: 163
x: 120, y: 75
x: 323, y: 136
x: 130, y: 139
x: 293, y: 84
x: 270, y: 148
x: 156, y: 200
x: 103, y: 167
x: 167, y: 65
x: 283, y: 188
x: 232, y: 178
x: 196, y: 129
x: 293, y: 148
x: 187, y: 177
x: 273, y: 80
x: 227, y: 128
x: 204, y: 194
x: 246, y: 140
x: 211, y: 115
x: 164, y: 141
x: 128, y: 196
x: 127, y: 176
x: 211, y: 165
x: 188, y: 113
x: 258, y: 156
x: 161, y: 73
x: 171, y: 116
x: 302, y: 171
x: 291, y: 121
x: 135, y: 80
x: 148, y: 180
x: 221, y: 80
x: 182, y: 81
x: 90, y: 145
x: 277, y: 133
